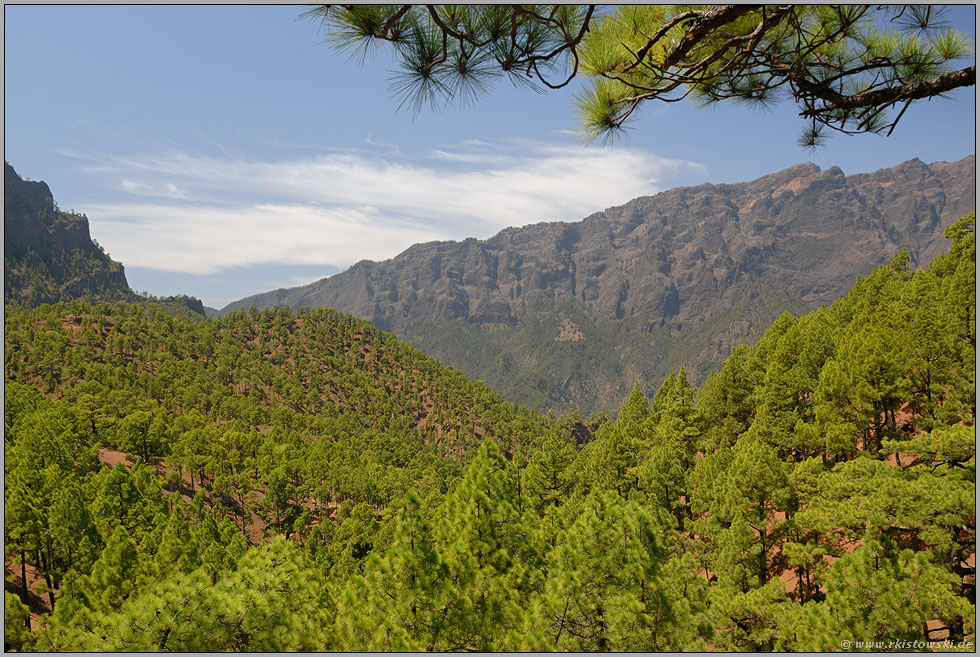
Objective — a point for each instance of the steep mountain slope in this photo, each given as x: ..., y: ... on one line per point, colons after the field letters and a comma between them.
x: 49, y: 255
x: 569, y: 314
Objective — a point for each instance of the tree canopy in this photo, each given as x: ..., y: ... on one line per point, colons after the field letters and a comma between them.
x: 848, y: 68
x: 276, y: 482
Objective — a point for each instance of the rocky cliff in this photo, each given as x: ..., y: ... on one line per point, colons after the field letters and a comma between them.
x: 569, y: 314
x: 49, y: 255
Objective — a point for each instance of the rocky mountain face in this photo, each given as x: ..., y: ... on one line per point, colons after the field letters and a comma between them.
x: 49, y: 255
x: 562, y: 315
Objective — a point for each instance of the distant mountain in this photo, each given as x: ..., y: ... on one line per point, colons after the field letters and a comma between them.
x: 49, y: 255
x: 560, y: 315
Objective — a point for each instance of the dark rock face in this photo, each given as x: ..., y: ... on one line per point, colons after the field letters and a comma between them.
x: 720, y: 261
x: 49, y: 255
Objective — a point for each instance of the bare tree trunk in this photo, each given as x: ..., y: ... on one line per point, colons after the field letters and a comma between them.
x: 44, y: 566
x: 24, y: 593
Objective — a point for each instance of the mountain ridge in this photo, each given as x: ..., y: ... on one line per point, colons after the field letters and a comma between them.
x: 719, y: 261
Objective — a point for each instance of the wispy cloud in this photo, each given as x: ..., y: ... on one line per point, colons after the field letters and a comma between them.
x: 199, y: 214
x: 147, y: 189
x: 135, y: 187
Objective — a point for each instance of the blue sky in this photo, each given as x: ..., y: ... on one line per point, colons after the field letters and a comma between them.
x: 222, y: 151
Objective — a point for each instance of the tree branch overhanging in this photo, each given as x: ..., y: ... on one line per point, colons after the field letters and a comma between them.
x: 839, y: 64
x: 907, y: 92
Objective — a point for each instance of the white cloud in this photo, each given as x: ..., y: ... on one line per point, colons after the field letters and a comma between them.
x: 341, y: 207
x: 146, y: 189
x: 203, y: 240
x: 135, y: 187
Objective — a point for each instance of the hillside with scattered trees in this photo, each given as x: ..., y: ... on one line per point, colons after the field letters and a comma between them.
x: 283, y: 481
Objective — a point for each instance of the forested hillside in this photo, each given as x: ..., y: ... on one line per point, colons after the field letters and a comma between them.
x: 303, y: 481
x: 567, y: 315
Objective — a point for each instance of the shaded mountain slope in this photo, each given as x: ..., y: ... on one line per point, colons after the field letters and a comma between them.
x: 565, y: 315
x: 49, y: 255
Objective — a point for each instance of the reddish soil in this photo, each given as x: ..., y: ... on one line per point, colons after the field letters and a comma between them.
x: 569, y: 331
x: 38, y: 603
x: 113, y: 457
x: 72, y: 323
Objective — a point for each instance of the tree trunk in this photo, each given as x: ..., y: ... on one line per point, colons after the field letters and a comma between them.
x: 47, y: 576
x: 602, y: 642
x: 24, y: 593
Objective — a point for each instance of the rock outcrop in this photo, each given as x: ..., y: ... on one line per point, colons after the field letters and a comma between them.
x: 49, y: 255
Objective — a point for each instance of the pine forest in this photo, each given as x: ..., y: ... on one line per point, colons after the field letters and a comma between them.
x: 301, y: 481
x: 397, y: 356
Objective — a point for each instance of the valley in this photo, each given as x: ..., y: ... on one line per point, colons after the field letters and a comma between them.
x: 608, y: 368
x: 663, y: 282
x: 303, y: 480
